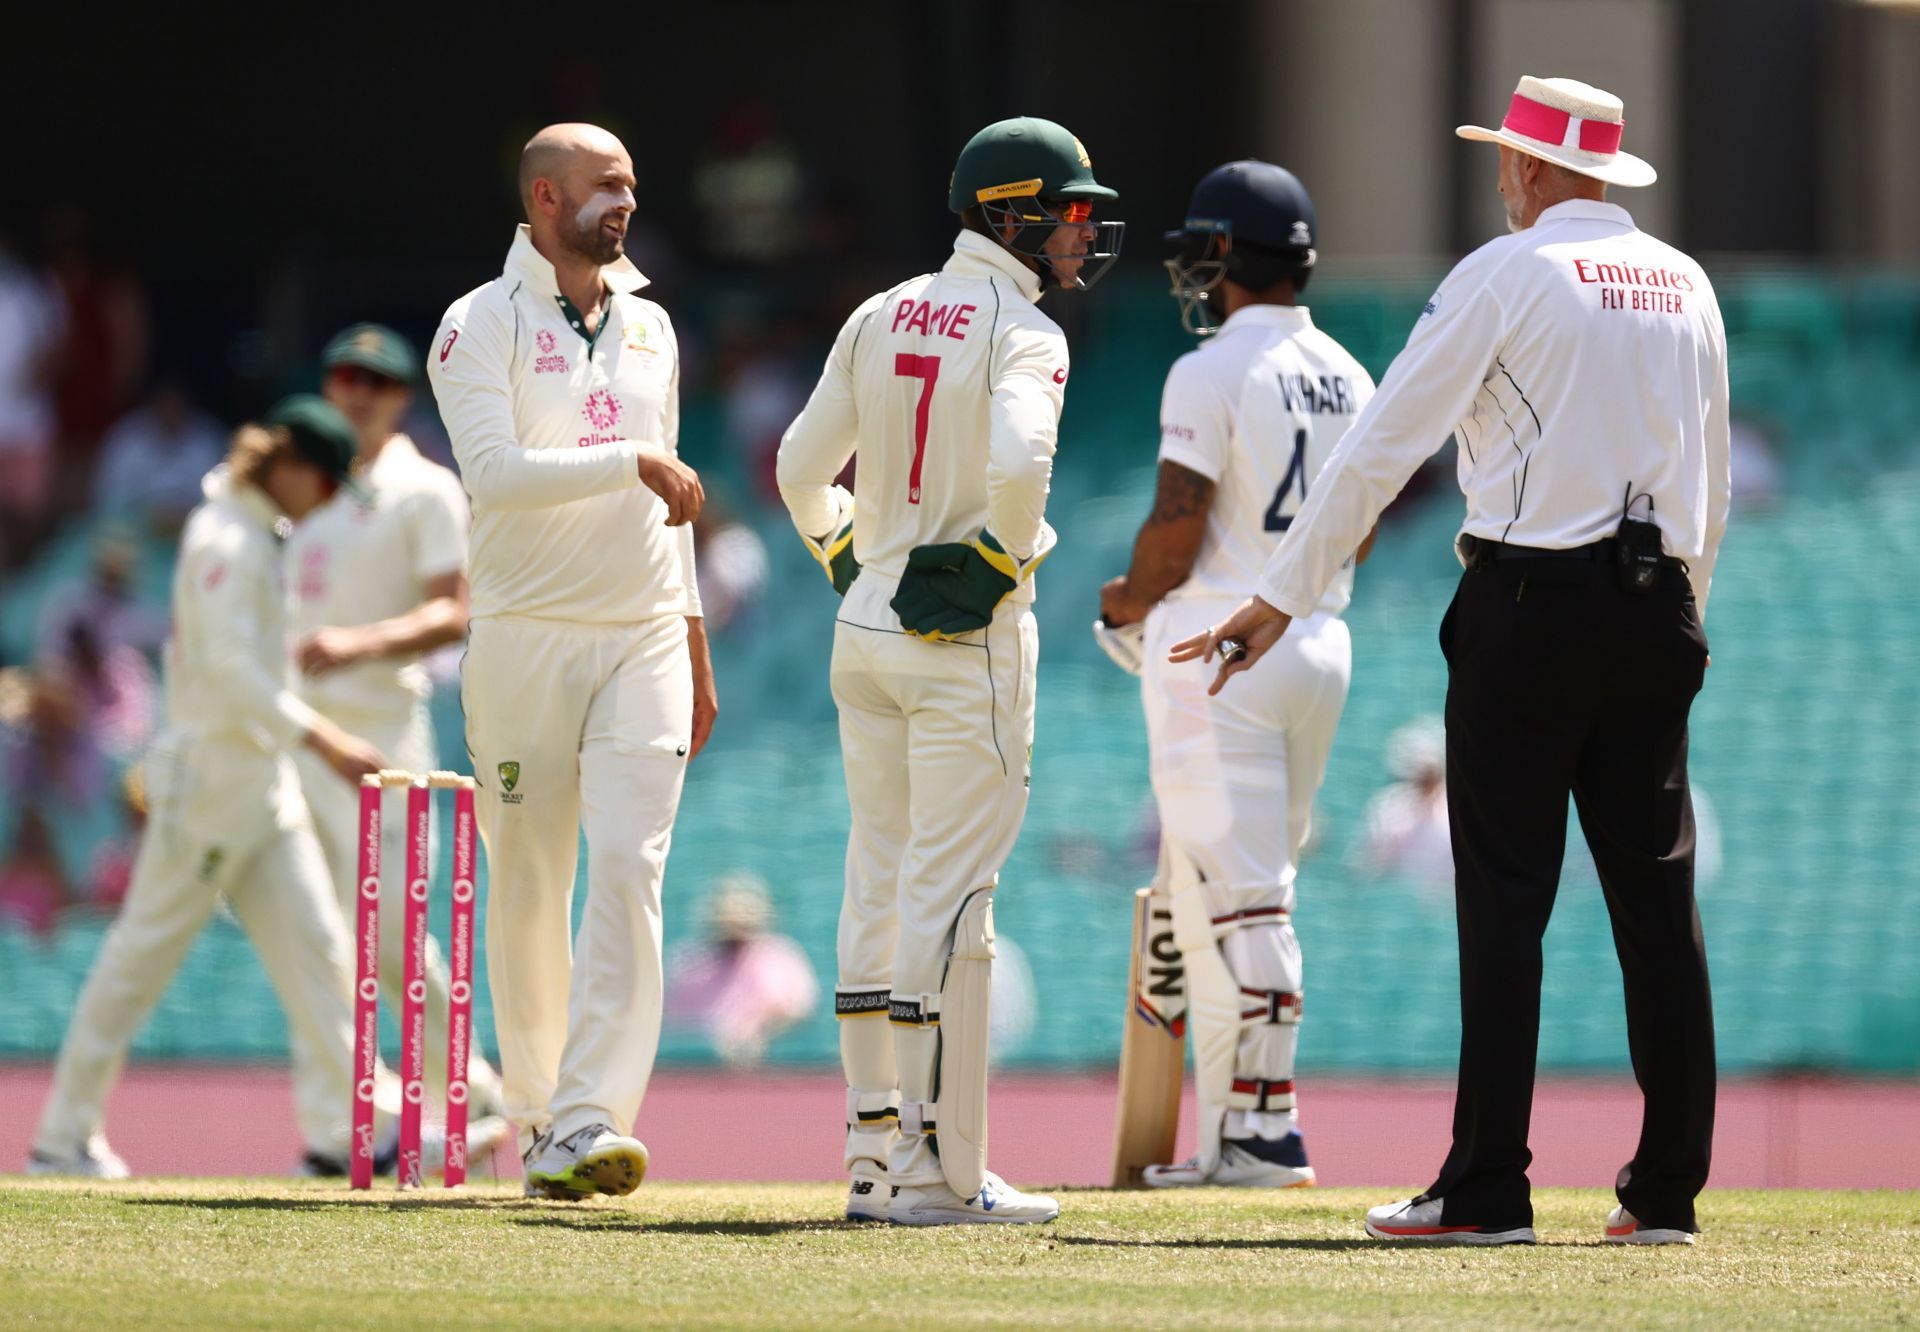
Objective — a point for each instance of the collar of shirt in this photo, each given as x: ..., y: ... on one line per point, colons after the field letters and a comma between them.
x: 530, y: 266
x: 975, y: 255
x: 1294, y: 318
x: 1585, y: 210
x: 218, y: 487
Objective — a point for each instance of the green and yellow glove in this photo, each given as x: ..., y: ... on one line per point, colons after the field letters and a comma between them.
x: 954, y: 588
x: 834, y: 552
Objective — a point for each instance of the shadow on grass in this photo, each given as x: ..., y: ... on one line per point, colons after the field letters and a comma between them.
x: 627, y: 1222
x: 1308, y: 1245
x: 413, y: 1203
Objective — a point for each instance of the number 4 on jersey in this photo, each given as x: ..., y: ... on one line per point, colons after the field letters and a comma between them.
x: 1296, y: 470
x: 926, y: 369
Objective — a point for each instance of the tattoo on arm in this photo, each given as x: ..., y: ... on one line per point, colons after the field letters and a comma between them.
x: 1182, y: 495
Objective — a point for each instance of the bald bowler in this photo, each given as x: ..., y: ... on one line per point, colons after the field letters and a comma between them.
x: 587, y: 682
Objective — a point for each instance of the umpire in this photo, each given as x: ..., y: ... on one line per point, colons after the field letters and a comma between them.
x: 1581, y: 365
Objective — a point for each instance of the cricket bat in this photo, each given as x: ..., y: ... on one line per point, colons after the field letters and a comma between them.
x: 1152, y: 1047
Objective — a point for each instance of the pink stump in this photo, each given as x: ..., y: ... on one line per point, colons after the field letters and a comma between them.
x: 366, y: 992
x: 460, y: 1007
x: 413, y: 1008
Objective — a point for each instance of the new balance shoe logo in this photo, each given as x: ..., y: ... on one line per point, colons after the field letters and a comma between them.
x: 863, y: 1187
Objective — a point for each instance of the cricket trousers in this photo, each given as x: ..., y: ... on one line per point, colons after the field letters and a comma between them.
x: 225, y: 822
x: 1561, y: 681
x: 1234, y: 780
x: 574, y: 727
x: 405, y: 737
x: 937, y: 741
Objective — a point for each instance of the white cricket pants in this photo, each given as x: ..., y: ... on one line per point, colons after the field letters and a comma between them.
x: 216, y: 829
x: 937, y: 741
x: 1235, y: 776
x: 571, y: 725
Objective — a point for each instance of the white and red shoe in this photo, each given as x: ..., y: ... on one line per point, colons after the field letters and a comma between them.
x: 1623, y: 1227
x: 1417, y: 1221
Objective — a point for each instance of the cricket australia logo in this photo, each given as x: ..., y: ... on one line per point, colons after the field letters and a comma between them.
x: 547, y: 361
x: 509, y: 778
x: 602, y: 411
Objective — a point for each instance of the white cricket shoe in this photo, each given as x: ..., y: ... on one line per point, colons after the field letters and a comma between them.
x: 869, y: 1195
x: 93, y: 1160
x: 997, y: 1203
x: 1625, y: 1228
x: 593, y: 1160
x: 483, y: 1135
x: 1417, y: 1221
x: 1238, y: 1169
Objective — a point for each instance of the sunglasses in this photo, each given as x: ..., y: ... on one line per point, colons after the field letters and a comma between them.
x: 1075, y: 212
x: 358, y: 376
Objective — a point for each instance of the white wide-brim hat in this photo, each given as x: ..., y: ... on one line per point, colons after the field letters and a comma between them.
x: 1571, y: 124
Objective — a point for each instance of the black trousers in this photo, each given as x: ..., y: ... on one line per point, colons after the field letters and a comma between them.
x: 1559, y: 681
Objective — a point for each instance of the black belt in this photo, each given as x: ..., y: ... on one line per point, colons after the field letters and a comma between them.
x: 1482, y: 551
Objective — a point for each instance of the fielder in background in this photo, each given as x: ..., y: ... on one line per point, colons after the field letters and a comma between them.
x: 378, y: 579
x: 225, y: 816
x: 1582, y: 366
x: 1247, y: 421
x: 949, y: 388
x: 587, y: 683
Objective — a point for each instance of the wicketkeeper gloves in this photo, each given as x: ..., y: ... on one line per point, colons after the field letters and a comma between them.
x: 834, y: 551
x: 954, y: 588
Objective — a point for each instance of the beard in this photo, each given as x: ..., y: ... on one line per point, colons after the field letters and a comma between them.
x: 586, y: 236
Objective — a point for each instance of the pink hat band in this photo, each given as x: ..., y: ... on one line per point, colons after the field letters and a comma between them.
x: 1537, y: 120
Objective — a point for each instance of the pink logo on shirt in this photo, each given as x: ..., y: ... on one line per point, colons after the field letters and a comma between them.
x: 311, y: 585
x: 602, y: 411
x: 547, y: 362
x: 544, y: 339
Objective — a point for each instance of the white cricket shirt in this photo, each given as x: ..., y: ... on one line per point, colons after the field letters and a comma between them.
x: 1257, y: 409
x: 226, y: 659
x: 1574, y: 361
x: 949, y: 387
x: 547, y: 426
x: 358, y: 560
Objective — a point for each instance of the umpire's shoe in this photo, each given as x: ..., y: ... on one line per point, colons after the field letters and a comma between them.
x: 1417, y: 1221
x: 1625, y: 1228
x: 997, y: 1203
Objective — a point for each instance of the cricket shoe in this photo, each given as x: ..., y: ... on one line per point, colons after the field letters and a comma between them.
x: 997, y: 1203
x: 869, y: 1196
x: 483, y: 1135
x: 593, y: 1160
x: 1245, y: 1163
x: 1417, y: 1221
x: 94, y: 1160
x: 1623, y: 1227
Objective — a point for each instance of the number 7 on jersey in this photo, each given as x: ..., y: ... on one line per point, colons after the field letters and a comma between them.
x: 926, y: 369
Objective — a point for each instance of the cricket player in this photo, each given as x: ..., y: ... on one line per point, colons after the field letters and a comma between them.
x: 226, y: 820
x: 949, y: 388
x: 587, y: 682
x: 376, y: 580
x: 1246, y: 422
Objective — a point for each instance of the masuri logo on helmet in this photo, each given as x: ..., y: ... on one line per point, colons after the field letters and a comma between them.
x: 1031, y: 176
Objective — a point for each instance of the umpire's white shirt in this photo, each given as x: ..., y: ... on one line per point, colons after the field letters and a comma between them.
x: 1576, y: 362
x: 364, y: 558
x: 548, y: 438
x: 950, y: 385
x: 1257, y: 409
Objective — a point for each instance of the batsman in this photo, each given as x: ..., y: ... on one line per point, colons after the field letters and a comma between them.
x: 1247, y: 420
x: 949, y: 388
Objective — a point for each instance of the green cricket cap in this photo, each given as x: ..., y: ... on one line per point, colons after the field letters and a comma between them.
x: 1025, y: 156
x: 320, y: 433
x: 373, y: 347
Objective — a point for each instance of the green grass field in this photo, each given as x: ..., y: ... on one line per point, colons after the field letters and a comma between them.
x: 233, y: 1253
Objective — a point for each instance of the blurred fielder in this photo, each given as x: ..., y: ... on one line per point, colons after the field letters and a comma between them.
x: 587, y: 683
x: 378, y: 579
x: 1246, y: 423
x: 226, y: 821
x: 948, y: 387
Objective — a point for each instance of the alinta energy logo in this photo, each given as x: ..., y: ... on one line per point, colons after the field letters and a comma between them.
x: 602, y: 411
x: 547, y: 361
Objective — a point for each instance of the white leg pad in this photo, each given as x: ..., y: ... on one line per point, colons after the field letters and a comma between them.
x: 964, y: 1006
x: 866, y: 1053
x: 1213, y: 1008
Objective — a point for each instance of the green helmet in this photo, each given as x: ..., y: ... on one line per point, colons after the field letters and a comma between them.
x: 1026, y: 174
x: 1025, y: 156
